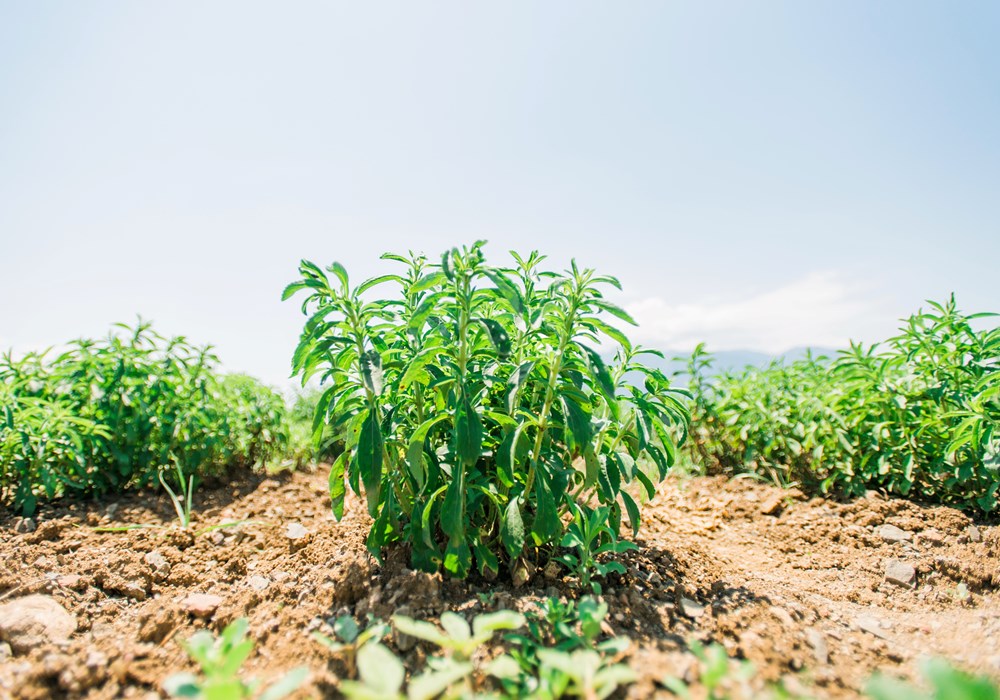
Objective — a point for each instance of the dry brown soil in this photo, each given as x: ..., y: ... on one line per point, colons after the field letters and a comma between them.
x: 796, y: 586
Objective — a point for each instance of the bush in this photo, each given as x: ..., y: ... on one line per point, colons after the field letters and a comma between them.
x: 112, y: 414
x: 475, y: 408
x: 918, y: 414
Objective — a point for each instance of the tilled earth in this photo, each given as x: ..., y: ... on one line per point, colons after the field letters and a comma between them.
x: 817, y: 594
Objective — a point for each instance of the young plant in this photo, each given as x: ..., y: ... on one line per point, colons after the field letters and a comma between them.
x: 474, y: 407
x: 352, y: 638
x: 560, y: 635
x: 220, y: 661
x: 382, y: 674
x: 589, y: 536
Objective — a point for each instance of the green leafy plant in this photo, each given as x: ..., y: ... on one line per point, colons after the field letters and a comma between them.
x: 946, y: 683
x: 916, y: 415
x: 560, y: 653
x: 220, y: 661
x: 588, y: 537
x: 449, y: 675
x: 475, y: 408
x: 132, y: 410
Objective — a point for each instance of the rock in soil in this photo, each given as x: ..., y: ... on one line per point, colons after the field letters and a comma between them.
x: 29, y: 622
x: 202, y: 604
x: 893, y: 534
x: 900, y: 573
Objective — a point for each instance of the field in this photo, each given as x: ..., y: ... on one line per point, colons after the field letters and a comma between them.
x: 482, y: 499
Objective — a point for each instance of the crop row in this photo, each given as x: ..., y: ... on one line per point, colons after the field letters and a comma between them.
x: 917, y: 415
x: 128, y: 411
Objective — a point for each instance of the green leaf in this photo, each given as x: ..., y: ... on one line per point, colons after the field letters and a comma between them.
x: 507, y: 289
x: 287, y: 685
x: 546, y: 526
x: 605, y: 384
x: 578, y: 433
x: 369, y: 454
x: 615, y: 311
x: 338, y: 489
x: 428, y: 281
x: 380, y: 670
x: 341, y: 273
x: 633, y: 511
x: 512, y: 529
x: 371, y: 372
x: 498, y: 336
x: 415, y: 452
x: 468, y: 431
x: 516, y: 381
x: 432, y: 683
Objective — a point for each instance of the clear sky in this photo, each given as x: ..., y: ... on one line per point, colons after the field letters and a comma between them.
x: 759, y: 175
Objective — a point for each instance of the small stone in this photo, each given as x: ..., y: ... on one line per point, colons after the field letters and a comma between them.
x: 974, y: 534
x: 900, y: 573
x: 216, y: 538
x: 295, y: 531
x: 692, y: 608
x: 403, y: 642
x: 201, y: 604
x: 71, y: 581
x: 783, y: 616
x: 773, y: 505
x: 159, y: 564
x: 24, y: 525
x: 5, y: 651
x: 552, y: 570
x: 29, y: 622
x: 655, y: 579
x: 259, y: 583
x: 136, y: 590
x: 821, y: 651
x: 893, y: 534
x: 932, y: 537
x: 870, y: 625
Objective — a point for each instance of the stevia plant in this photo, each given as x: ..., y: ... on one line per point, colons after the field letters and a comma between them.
x: 476, y: 407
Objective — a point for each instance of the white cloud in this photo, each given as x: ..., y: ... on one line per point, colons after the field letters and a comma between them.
x: 822, y: 309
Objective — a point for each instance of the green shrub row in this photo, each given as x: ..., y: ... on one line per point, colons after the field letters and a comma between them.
x: 917, y: 415
x: 106, y: 415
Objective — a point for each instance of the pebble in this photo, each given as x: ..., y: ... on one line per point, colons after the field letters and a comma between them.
x: 900, y: 573
x: 974, y: 534
x: 773, y: 505
x: 692, y: 608
x: 259, y: 583
x: 216, y: 538
x: 893, y: 534
x: 202, y: 604
x: 5, y: 651
x: 932, y: 537
x: 29, y: 622
x: 24, y: 525
x: 295, y: 531
x: 870, y: 625
x: 158, y: 563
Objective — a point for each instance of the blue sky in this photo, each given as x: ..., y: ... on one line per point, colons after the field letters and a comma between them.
x: 759, y: 175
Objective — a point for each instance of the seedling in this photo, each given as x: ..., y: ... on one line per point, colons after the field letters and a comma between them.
x: 590, y: 536
x: 220, y: 661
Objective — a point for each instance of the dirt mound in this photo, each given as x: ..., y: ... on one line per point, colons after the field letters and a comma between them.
x: 796, y: 586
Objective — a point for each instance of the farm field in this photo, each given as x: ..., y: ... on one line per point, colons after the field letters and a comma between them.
x: 795, y: 585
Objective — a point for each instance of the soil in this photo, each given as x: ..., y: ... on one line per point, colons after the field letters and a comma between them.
x: 795, y: 585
